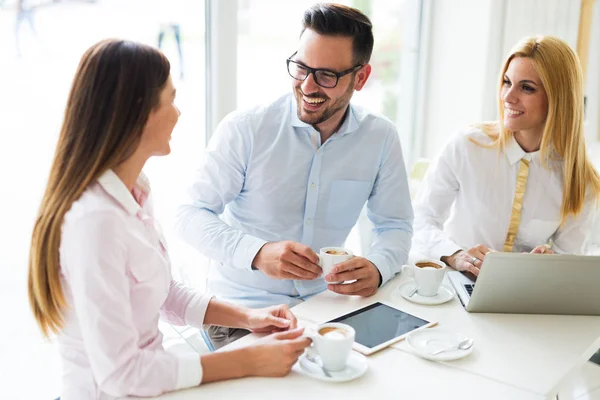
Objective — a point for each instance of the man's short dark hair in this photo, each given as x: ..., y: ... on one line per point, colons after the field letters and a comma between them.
x: 339, y: 20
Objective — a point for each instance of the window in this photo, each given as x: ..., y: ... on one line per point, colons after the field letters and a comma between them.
x: 40, y: 48
x: 395, y: 24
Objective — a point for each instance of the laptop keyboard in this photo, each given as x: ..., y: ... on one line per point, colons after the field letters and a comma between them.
x: 469, y: 288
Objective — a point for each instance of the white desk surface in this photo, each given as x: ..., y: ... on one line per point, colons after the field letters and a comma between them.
x: 515, y: 356
x: 536, y: 353
x: 391, y: 374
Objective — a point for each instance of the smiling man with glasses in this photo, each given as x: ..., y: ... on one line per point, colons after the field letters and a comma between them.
x: 281, y: 181
x: 316, y: 108
x: 324, y: 77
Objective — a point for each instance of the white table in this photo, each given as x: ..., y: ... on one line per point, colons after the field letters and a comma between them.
x: 391, y: 374
x: 515, y: 356
x: 536, y: 353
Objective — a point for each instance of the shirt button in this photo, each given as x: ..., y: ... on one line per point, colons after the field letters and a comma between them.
x: 308, y: 221
x: 312, y: 185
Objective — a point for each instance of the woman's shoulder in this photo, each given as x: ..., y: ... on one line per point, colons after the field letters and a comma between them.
x: 482, y: 133
x: 469, y: 138
x: 93, y: 208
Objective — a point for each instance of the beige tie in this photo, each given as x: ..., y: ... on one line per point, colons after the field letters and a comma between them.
x: 515, y: 216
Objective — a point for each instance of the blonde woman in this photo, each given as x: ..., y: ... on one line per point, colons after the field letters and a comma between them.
x: 523, y: 183
x: 99, y: 272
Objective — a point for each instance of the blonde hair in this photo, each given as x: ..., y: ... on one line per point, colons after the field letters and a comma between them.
x: 116, y: 86
x: 561, y: 75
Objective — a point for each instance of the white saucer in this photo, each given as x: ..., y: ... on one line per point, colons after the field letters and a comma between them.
x: 426, y: 341
x: 357, y: 366
x: 445, y: 294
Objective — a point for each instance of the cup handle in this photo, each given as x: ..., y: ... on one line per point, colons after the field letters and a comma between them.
x: 320, y: 260
x: 408, y: 270
x: 309, y: 333
x: 311, y: 350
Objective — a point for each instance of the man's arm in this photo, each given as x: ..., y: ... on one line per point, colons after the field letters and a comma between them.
x: 389, y: 208
x: 218, y: 181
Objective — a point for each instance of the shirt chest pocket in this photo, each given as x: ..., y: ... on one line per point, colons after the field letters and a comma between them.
x: 537, y: 232
x: 149, y: 270
x: 346, y: 200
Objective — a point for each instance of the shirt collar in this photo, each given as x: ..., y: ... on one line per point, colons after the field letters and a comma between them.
x: 350, y: 123
x: 515, y: 153
x: 113, y: 185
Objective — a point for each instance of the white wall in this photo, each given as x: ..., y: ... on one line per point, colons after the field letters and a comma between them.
x: 547, y: 17
x: 469, y: 40
x: 593, y: 80
x: 456, y: 69
x: 514, y: 19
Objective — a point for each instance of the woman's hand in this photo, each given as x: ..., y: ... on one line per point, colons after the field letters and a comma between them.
x: 276, y: 354
x: 271, y: 319
x: 542, y: 249
x: 273, y: 355
x: 469, y: 260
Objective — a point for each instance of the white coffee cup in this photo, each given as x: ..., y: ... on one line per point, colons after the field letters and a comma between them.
x: 428, y: 275
x: 333, y: 343
x: 330, y: 256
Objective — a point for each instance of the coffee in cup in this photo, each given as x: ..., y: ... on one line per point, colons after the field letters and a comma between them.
x: 332, y: 342
x: 428, y: 275
x: 427, y: 264
x: 333, y: 332
x: 330, y: 256
x: 336, y: 252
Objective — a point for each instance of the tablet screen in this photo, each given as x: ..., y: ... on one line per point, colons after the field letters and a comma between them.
x: 379, y: 323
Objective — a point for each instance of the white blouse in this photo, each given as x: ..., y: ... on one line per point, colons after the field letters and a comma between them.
x: 467, y: 195
x: 116, y: 277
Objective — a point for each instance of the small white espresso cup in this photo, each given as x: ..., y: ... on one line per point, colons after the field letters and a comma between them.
x: 428, y: 275
x: 330, y: 256
x: 332, y: 342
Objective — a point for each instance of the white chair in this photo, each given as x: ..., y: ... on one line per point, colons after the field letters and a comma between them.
x: 184, y: 339
x: 416, y: 176
x: 191, y: 268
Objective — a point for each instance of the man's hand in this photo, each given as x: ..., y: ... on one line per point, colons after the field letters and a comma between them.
x: 469, y: 260
x: 271, y: 319
x: 360, y: 269
x: 288, y: 260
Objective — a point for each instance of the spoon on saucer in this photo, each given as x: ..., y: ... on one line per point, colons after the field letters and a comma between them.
x: 464, y: 345
x: 314, y: 360
x: 412, y: 292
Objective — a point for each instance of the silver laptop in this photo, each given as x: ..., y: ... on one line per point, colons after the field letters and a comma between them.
x: 516, y: 283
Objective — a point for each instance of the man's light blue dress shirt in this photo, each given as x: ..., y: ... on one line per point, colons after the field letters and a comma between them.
x: 266, y: 177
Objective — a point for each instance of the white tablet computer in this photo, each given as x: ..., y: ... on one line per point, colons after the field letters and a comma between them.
x: 379, y: 325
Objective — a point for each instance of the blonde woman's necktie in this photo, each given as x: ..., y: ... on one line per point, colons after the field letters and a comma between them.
x: 515, y: 215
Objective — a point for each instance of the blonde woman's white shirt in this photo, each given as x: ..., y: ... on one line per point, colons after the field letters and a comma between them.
x: 116, y: 277
x: 467, y: 196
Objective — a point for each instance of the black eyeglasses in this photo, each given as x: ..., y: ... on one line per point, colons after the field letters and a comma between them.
x: 323, y: 77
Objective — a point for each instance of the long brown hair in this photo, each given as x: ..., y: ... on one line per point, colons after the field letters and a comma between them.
x: 116, y: 86
x: 560, y: 71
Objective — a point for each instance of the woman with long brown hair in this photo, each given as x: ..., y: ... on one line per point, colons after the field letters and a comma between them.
x: 99, y: 272
x: 523, y: 183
